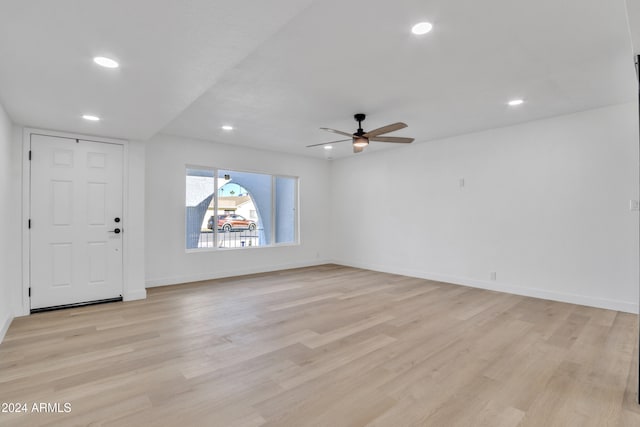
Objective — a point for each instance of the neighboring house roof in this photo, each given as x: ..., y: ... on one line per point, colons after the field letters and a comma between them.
x: 232, y: 202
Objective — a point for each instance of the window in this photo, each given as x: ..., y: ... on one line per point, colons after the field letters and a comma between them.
x: 200, y: 184
x: 233, y: 209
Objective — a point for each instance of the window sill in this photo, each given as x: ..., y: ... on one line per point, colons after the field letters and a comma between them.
x: 242, y: 248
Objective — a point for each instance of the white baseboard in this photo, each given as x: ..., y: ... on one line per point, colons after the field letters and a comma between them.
x: 4, y: 326
x: 134, y: 295
x: 624, y: 306
x: 165, y: 281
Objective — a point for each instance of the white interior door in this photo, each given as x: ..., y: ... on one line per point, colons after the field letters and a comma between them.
x: 76, y: 209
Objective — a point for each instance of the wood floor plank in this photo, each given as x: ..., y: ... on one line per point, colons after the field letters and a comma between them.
x: 324, y: 346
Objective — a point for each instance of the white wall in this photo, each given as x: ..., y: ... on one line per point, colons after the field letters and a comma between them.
x: 135, y: 223
x: 545, y: 205
x: 10, y: 219
x: 167, y: 262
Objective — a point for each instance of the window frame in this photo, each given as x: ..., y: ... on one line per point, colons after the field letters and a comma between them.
x: 272, y: 238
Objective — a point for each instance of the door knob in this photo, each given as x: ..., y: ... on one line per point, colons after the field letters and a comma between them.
x: 117, y: 231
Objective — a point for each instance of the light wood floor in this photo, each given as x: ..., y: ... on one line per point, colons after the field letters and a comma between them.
x: 324, y: 346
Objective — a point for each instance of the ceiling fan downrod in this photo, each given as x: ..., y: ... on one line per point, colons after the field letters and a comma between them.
x: 360, y: 118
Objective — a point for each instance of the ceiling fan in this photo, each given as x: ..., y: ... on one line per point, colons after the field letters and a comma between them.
x: 361, y: 138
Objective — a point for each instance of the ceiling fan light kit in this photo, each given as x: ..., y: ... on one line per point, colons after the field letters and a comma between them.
x: 360, y: 139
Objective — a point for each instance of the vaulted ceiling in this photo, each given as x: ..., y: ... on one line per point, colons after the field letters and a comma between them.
x: 279, y: 70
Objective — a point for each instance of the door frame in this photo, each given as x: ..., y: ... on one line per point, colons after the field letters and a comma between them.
x: 26, y: 206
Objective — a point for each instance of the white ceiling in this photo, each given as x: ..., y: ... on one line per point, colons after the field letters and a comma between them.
x: 281, y: 69
x: 170, y: 52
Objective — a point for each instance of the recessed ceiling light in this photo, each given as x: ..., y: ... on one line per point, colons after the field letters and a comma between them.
x: 227, y: 127
x: 515, y: 102
x: 106, y: 62
x: 422, y: 28
x: 91, y: 118
x: 328, y: 147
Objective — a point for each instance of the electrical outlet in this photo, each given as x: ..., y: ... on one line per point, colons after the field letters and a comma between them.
x: 493, y: 275
x: 634, y: 205
x: 461, y: 182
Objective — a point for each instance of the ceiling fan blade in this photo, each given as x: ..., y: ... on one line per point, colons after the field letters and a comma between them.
x: 392, y: 139
x: 327, y: 143
x: 358, y: 149
x: 338, y: 132
x: 385, y: 129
